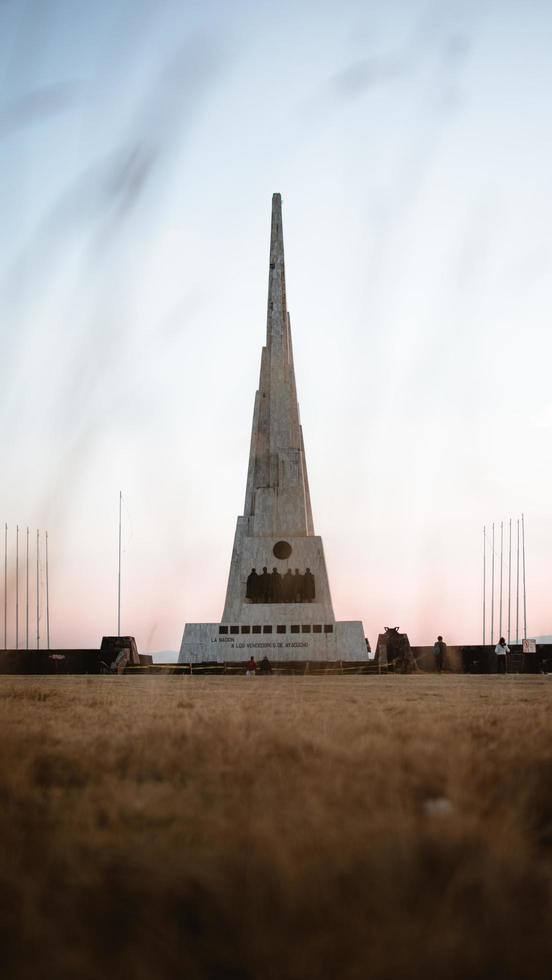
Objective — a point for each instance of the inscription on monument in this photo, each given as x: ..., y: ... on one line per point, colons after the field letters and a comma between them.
x: 260, y: 644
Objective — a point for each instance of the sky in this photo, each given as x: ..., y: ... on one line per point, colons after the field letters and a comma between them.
x: 140, y: 144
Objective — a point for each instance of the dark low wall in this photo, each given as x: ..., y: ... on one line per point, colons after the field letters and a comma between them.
x: 62, y: 661
x: 466, y: 659
x: 479, y: 659
x: 425, y: 658
x: 47, y: 662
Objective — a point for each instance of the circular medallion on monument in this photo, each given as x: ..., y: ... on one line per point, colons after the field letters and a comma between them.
x: 282, y: 550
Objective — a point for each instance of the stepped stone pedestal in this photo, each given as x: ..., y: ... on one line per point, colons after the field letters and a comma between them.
x: 278, y: 601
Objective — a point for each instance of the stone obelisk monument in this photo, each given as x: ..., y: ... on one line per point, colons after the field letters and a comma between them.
x: 278, y: 600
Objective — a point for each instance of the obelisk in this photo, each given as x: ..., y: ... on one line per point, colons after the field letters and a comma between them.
x: 278, y: 598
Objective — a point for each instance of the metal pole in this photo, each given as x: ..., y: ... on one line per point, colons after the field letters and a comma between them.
x: 501, y: 558
x: 524, y: 591
x: 47, y: 599
x: 38, y: 590
x: 509, y: 578
x: 484, y: 577
x: 492, y: 586
x: 27, y: 599
x: 517, y: 585
x: 119, y: 585
x: 5, y: 586
x: 17, y: 587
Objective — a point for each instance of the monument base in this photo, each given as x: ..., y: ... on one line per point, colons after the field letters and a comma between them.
x: 217, y: 642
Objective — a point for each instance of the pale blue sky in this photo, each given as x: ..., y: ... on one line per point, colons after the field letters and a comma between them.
x: 140, y: 144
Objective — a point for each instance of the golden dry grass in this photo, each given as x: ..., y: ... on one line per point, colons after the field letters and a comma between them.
x: 276, y: 828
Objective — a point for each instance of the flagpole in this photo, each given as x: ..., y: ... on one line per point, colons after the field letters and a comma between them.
x: 5, y: 586
x: 17, y: 587
x: 27, y: 598
x: 47, y: 599
x: 119, y: 577
x: 501, y: 559
x: 517, y: 585
x: 509, y: 577
x: 492, y: 584
x: 38, y: 590
x: 484, y: 577
x: 524, y: 590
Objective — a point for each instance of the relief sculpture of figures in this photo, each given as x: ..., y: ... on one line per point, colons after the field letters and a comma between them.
x: 297, y: 586
x: 287, y: 587
x: 308, y: 586
x: 252, y: 587
x: 276, y: 590
x: 264, y: 586
x: 275, y: 587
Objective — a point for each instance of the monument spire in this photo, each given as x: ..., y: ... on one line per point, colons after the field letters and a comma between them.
x: 277, y: 304
x: 278, y: 596
x: 277, y: 496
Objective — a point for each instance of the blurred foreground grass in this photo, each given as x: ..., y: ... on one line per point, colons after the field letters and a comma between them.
x: 276, y: 828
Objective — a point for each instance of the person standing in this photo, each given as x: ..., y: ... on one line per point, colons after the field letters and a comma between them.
x: 501, y: 649
x: 250, y: 667
x: 439, y: 652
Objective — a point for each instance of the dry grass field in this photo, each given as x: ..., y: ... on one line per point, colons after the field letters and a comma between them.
x: 274, y: 828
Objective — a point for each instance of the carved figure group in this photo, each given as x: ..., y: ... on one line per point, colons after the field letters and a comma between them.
x: 275, y: 587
